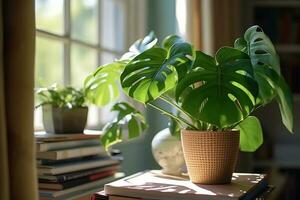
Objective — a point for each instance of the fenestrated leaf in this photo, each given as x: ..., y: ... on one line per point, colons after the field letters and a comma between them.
x: 241, y: 44
x: 140, y: 46
x: 148, y: 75
x: 112, y: 134
x: 251, y: 136
x: 261, y: 49
x: 156, y: 70
x: 102, y: 87
x: 285, y: 101
x: 272, y: 82
x: 128, y: 116
x: 221, y: 90
x: 180, y: 53
x: 266, y: 67
x: 133, y: 128
x: 169, y: 41
x: 262, y: 53
x: 267, y: 80
x: 204, y: 61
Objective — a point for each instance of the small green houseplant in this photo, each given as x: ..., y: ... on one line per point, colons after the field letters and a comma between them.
x: 214, y: 96
x: 64, y: 109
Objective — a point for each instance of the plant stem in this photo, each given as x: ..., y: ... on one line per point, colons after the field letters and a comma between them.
x: 177, y: 118
x: 167, y: 100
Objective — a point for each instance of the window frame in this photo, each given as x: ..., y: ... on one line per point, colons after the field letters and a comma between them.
x: 135, y: 27
x: 67, y: 40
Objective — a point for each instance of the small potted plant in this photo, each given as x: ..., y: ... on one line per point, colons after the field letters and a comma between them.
x: 214, y: 96
x: 64, y: 109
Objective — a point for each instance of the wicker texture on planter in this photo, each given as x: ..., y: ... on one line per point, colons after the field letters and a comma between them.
x: 210, y: 156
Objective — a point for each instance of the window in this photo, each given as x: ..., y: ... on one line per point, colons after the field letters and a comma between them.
x: 75, y: 37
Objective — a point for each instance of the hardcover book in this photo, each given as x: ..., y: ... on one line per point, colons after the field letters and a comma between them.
x: 42, y: 136
x: 65, y: 161
x: 71, y: 153
x: 102, y: 196
x: 77, y: 190
x: 75, y: 175
x: 62, y: 168
x: 75, y: 182
x: 157, y: 186
x: 52, y: 146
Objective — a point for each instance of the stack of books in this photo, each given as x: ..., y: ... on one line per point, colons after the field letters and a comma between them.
x: 155, y: 185
x: 72, y: 165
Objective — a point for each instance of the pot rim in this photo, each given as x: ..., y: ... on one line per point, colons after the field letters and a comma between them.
x: 183, y: 131
x: 64, y: 108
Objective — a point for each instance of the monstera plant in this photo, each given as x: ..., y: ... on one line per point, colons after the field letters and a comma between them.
x: 213, y: 96
x: 102, y: 88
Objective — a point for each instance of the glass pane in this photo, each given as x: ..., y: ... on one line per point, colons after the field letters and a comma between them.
x: 112, y: 22
x: 83, y: 62
x: 49, y: 15
x: 106, y: 115
x: 93, y: 117
x: 84, y: 20
x: 48, y: 62
x: 38, y: 118
x: 107, y: 58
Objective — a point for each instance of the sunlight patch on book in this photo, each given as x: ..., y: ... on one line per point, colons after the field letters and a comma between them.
x: 156, y: 185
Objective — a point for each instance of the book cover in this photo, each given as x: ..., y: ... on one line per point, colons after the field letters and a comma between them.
x: 41, y: 162
x: 62, y: 194
x: 102, y: 196
x: 99, y: 195
x: 155, y: 185
x: 77, y: 196
x: 42, y: 136
x: 75, y: 175
x: 64, y: 161
x: 122, y: 198
x: 71, y: 153
x: 63, y: 168
x: 76, y: 182
x: 52, y: 146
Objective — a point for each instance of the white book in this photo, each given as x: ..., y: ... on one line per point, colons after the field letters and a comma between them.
x: 155, y: 185
x: 52, y: 146
x: 42, y: 136
x: 62, y: 168
x: 71, y: 153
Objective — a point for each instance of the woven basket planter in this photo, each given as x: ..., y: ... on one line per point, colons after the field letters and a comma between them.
x: 210, y: 156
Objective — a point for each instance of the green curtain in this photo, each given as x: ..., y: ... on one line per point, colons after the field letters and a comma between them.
x: 17, y: 153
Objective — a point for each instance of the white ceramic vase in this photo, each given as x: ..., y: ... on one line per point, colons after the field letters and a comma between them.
x: 167, y: 151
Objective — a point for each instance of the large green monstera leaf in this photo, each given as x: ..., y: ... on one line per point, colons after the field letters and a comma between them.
x: 266, y: 69
x: 102, y: 87
x: 127, y: 117
x: 153, y: 72
x: 140, y: 45
x: 259, y: 47
x: 251, y: 135
x: 183, y: 51
x: 262, y: 53
x: 221, y: 90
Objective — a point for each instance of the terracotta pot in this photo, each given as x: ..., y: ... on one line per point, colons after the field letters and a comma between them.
x: 210, y: 156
